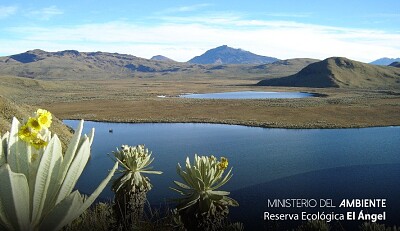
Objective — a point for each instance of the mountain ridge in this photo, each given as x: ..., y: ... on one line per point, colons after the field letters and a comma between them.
x: 75, y: 65
x: 68, y: 63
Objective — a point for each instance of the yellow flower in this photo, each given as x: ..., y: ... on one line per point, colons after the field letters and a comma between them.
x: 38, y: 143
x: 34, y: 124
x: 44, y: 117
x: 31, y: 131
x: 26, y: 133
x: 223, y: 164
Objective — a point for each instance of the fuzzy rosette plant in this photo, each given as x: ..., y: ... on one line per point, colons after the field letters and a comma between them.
x: 37, y: 180
x: 202, y: 179
x: 135, y: 161
x: 132, y: 186
x: 203, y: 207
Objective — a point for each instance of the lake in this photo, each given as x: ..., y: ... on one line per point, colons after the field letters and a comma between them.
x: 268, y: 163
x: 249, y: 95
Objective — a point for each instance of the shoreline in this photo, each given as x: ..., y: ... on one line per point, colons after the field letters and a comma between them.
x: 255, y: 125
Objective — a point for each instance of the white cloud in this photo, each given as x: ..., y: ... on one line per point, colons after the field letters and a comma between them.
x: 289, y: 15
x: 183, y: 38
x: 190, y: 8
x: 6, y: 11
x: 46, y: 13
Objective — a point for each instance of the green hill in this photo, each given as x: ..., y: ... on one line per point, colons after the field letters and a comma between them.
x: 340, y: 73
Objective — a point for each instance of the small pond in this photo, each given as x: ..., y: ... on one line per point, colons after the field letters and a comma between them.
x: 267, y: 163
x: 249, y: 95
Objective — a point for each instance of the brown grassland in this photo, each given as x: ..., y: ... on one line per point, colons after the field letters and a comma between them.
x: 135, y: 100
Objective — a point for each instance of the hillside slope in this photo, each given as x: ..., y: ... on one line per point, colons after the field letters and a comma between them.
x: 9, y: 109
x: 228, y: 55
x: 340, y: 73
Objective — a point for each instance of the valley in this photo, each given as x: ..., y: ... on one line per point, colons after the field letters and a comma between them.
x: 136, y: 101
x: 102, y: 86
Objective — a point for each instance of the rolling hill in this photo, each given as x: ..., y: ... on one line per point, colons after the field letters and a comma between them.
x: 228, y: 55
x: 340, y: 72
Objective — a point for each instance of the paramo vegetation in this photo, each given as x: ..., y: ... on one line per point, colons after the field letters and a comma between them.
x: 38, y: 181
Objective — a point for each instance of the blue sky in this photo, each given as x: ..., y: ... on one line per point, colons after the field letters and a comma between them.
x: 361, y: 30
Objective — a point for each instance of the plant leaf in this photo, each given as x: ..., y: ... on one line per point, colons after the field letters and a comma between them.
x: 75, y: 170
x: 178, y: 191
x: 62, y: 213
x: 99, y: 189
x: 189, y: 201
x: 182, y: 185
x: 221, y: 193
x: 91, y: 136
x: 151, y: 172
x: 56, y: 179
x: 48, y: 166
x: 223, y: 181
x: 71, y: 150
x: 14, y: 197
x: 12, y: 152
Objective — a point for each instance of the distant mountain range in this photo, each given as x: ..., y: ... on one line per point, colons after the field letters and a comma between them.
x: 340, y: 73
x: 228, y: 55
x: 72, y: 64
x: 385, y: 61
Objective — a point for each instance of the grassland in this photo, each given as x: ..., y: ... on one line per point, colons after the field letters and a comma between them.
x: 135, y: 100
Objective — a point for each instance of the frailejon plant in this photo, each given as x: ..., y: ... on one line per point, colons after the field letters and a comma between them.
x: 131, y: 187
x: 37, y: 181
x: 203, y: 207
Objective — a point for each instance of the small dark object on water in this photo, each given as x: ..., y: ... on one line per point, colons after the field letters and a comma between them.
x: 110, y: 130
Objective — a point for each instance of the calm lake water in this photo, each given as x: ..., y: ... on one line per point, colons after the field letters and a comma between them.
x: 249, y: 95
x: 267, y: 163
